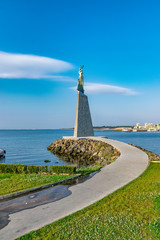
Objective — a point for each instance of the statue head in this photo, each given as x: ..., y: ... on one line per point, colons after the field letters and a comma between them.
x: 81, y: 67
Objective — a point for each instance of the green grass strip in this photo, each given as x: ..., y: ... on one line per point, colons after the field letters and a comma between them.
x: 11, y: 182
x: 132, y: 212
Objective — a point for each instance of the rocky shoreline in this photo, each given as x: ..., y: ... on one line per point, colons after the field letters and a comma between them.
x: 84, y: 151
x: 153, y: 157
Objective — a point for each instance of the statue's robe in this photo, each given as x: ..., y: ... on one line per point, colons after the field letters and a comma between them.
x: 80, y: 85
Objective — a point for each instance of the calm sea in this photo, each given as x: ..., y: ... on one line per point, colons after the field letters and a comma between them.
x: 30, y: 146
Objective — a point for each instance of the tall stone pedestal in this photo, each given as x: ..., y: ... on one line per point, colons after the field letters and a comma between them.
x: 83, y: 122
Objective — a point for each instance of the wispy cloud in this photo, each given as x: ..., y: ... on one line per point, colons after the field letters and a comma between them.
x: 14, y: 65
x: 97, y: 88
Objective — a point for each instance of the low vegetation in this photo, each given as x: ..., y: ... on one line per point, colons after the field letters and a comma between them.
x: 28, y: 169
x: 85, y: 170
x: 132, y: 212
x: 62, y: 169
x: 12, y: 182
x: 17, y: 177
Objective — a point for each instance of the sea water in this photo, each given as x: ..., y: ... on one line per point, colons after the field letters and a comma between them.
x: 148, y: 140
x: 30, y: 146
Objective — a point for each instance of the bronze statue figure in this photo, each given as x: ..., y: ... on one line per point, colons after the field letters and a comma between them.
x: 81, y: 79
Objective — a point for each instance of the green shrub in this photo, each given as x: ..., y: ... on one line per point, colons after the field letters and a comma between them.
x: 32, y: 169
x: 43, y: 169
x: 62, y: 169
x: 36, y: 169
x: 12, y: 168
x: 19, y: 168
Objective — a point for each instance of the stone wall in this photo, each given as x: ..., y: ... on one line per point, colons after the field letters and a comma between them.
x: 84, y: 151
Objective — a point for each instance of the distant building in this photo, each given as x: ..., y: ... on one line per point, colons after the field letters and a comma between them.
x: 147, y: 127
x: 137, y: 126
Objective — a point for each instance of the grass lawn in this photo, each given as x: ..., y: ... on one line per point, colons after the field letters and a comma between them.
x: 10, y: 183
x: 132, y: 212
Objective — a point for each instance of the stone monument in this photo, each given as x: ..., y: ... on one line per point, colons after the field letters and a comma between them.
x: 83, y: 123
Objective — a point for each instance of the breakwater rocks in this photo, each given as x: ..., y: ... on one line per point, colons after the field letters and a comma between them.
x: 152, y: 156
x: 84, y: 151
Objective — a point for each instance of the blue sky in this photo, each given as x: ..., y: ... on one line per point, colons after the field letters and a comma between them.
x: 117, y: 41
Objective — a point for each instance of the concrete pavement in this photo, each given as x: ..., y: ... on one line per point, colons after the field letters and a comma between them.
x: 131, y: 163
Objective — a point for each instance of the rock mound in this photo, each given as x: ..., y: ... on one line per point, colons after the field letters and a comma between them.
x: 84, y: 151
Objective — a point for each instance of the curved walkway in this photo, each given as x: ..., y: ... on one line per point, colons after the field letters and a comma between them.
x: 131, y: 163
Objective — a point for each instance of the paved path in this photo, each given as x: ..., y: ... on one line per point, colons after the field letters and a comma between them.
x: 131, y: 163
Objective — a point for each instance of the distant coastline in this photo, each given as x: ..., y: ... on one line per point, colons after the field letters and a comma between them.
x: 125, y: 128
x: 119, y: 128
x: 107, y: 128
x: 101, y: 127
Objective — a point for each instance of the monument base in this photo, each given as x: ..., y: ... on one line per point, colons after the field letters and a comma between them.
x: 83, y: 122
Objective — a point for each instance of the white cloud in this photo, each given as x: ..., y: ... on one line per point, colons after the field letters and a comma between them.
x: 31, y: 66
x: 97, y: 88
